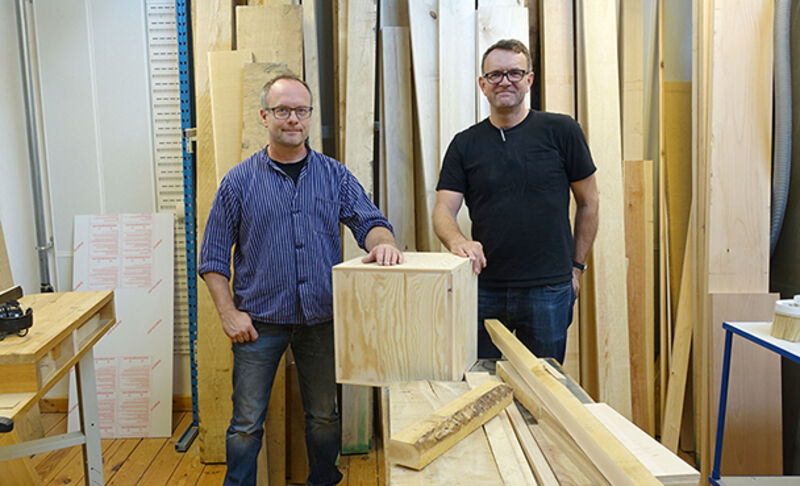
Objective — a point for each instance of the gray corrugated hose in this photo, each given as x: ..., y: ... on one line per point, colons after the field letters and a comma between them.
x: 782, y: 150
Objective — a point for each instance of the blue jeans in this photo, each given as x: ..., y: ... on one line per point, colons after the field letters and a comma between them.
x: 254, y: 366
x: 539, y: 315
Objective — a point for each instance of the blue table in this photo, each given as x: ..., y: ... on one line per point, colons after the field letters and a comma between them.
x: 757, y: 332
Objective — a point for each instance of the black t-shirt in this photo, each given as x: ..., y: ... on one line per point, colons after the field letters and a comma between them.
x: 293, y: 169
x: 516, y: 184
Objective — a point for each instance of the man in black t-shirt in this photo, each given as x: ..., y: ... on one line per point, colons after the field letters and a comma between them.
x: 515, y: 170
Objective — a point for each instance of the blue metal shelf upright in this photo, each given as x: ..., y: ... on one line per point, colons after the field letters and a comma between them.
x: 182, y: 9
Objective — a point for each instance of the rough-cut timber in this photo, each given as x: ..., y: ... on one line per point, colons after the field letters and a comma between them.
x: 416, y: 446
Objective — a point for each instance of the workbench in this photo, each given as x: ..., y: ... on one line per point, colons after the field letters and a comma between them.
x: 65, y: 328
x: 758, y: 333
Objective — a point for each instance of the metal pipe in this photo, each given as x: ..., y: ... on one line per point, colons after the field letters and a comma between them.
x: 43, y: 244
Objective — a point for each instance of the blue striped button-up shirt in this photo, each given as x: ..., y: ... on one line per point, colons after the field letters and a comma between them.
x: 286, y: 238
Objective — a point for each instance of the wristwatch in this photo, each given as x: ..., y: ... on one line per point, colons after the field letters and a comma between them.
x: 580, y: 266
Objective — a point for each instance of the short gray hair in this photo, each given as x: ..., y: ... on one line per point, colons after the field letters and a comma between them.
x: 288, y: 75
x: 512, y: 45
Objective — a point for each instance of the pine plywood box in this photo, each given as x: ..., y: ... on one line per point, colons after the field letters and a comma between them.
x: 415, y: 321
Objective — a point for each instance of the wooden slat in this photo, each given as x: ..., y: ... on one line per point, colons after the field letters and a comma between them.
x: 254, y: 136
x: 497, y: 22
x: 274, y: 33
x: 506, y: 447
x: 424, y: 46
x: 362, y: 17
x: 684, y: 326
x: 602, y: 127
x: 615, y: 462
x: 225, y: 92
x: 632, y: 73
x: 213, y: 26
x: 311, y: 68
x: 558, y: 57
x: 457, y: 79
x: 566, y: 472
x: 641, y: 321
x: 167, y: 459
x: 398, y: 134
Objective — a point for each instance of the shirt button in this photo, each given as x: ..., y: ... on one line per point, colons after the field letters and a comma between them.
x: 298, y: 245
x: 295, y: 211
x: 301, y: 281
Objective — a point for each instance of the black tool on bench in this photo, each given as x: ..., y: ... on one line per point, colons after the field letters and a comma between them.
x: 14, y: 320
x: 6, y: 425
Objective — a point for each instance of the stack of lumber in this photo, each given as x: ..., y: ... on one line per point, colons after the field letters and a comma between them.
x: 269, y: 39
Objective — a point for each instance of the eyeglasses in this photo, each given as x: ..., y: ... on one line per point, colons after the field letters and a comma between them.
x: 284, y: 112
x: 513, y: 75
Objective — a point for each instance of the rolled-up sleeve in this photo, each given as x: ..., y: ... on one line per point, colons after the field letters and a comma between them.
x: 357, y: 212
x: 220, y: 233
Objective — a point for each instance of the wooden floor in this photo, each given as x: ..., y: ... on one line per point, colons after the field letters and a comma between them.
x: 154, y: 462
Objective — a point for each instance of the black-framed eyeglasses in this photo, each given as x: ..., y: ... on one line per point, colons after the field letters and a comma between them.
x: 513, y: 75
x: 284, y: 112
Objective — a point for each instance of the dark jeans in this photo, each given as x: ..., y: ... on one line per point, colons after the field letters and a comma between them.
x: 254, y: 366
x: 539, y: 315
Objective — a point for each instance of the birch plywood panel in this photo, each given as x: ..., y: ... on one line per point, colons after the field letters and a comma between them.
x: 272, y: 33
x: 412, y: 321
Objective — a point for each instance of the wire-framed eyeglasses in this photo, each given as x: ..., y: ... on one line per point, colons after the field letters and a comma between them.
x: 284, y: 112
x: 513, y: 75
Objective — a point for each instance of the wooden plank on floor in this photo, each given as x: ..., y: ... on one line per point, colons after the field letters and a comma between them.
x: 739, y: 168
x: 274, y: 33
x: 423, y: 21
x: 254, y: 136
x: 507, y: 450
x: 167, y: 459
x: 398, y: 134
x: 602, y: 127
x: 470, y: 460
x: 311, y: 70
x: 137, y: 462
x: 639, y: 198
x: 497, y: 22
x: 189, y: 468
x: 753, y: 442
x: 212, y: 475
x: 613, y: 460
x: 457, y: 79
x: 225, y: 91
x: 212, y: 32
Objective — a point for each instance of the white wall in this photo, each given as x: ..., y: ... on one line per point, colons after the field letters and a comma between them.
x: 16, y: 202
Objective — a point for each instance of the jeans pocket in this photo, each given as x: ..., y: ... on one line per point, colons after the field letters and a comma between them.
x: 562, y: 287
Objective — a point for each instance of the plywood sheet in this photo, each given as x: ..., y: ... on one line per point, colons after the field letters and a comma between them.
x: 471, y: 460
x: 740, y: 147
x: 398, y: 134
x: 495, y: 23
x: 254, y: 135
x: 274, y: 33
x: 602, y: 127
x: 423, y: 21
x: 225, y: 90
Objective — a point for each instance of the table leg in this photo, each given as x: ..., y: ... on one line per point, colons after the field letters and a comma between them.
x: 723, y: 402
x: 87, y: 401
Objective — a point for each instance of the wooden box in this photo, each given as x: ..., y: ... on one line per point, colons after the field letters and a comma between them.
x: 415, y: 321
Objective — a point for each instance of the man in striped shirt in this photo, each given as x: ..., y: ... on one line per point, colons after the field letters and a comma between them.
x: 280, y: 212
